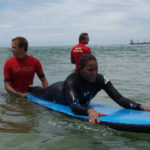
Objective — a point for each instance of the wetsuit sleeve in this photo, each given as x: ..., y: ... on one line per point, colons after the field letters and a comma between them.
x: 117, y: 97
x: 7, y: 72
x: 39, y: 70
x: 72, y: 98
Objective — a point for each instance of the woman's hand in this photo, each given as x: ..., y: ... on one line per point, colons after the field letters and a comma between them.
x: 145, y: 108
x: 94, y: 116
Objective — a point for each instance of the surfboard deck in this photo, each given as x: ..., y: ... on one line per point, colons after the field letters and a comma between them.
x: 117, y: 117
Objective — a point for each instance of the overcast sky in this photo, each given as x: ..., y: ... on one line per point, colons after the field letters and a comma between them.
x: 59, y: 22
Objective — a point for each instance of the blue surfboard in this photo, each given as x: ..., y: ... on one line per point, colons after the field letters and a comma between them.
x: 117, y: 117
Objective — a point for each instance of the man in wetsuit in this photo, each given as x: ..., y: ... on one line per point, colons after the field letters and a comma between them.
x: 80, y: 49
x: 19, y: 70
x: 81, y: 86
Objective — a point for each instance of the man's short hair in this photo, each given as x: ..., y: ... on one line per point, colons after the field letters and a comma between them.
x: 22, y: 42
x: 82, y: 36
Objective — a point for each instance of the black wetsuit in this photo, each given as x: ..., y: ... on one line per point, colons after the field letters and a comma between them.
x: 77, y: 93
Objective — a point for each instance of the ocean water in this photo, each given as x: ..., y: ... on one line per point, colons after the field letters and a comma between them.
x: 27, y: 126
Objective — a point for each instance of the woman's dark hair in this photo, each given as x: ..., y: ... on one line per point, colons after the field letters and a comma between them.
x: 84, y: 59
x: 22, y: 42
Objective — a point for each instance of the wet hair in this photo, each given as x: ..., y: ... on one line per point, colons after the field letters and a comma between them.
x: 22, y: 42
x: 84, y: 59
x: 82, y: 37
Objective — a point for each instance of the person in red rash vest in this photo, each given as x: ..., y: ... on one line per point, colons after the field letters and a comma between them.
x: 19, y: 70
x: 80, y: 49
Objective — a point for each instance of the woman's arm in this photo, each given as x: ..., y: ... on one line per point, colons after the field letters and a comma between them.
x: 118, y: 98
x: 73, y: 99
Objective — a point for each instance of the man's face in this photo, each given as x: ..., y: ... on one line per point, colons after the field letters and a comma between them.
x: 86, y: 40
x: 16, y: 50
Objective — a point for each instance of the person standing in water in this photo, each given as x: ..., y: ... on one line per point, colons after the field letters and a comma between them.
x: 81, y: 86
x: 80, y: 49
x: 19, y: 70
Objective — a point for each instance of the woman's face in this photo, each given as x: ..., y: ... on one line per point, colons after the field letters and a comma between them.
x: 89, y: 72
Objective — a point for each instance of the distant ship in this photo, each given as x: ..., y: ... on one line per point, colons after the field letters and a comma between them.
x: 132, y: 42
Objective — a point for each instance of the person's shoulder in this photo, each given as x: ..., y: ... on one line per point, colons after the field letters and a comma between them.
x: 29, y: 57
x: 86, y: 47
x: 73, y: 76
x: 33, y: 61
x: 72, y: 79
x: 10, y: 60
x: 75, y: 46
x: 102, y: 78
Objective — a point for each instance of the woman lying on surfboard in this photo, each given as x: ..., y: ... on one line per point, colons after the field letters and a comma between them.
x: 81, y: 86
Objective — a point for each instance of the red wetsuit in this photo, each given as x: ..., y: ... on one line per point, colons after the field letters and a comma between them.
x: 77, y: 51
x: 20, y: 72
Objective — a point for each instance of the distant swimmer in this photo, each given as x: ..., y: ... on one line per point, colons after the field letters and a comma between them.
x: 81, y: 86
x: 19, y: 70
x: 80, y: 49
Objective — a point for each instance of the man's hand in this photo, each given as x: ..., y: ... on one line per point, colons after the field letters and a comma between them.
x: 23, y: 95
